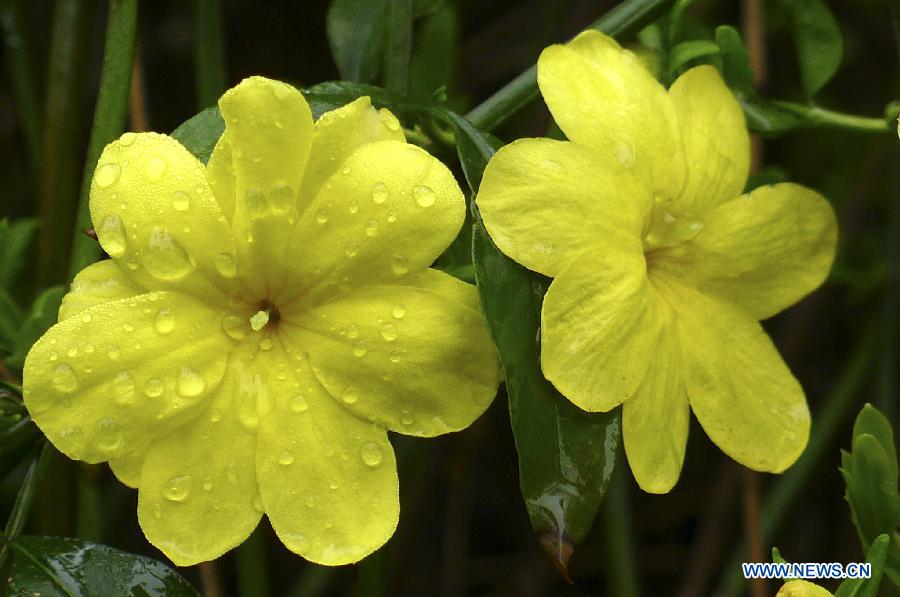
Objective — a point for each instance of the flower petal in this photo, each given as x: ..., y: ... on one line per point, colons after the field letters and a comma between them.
x: 544, y: 201
x: 738, y: 386
x: 763, y: 251
x: 98, y: 283
x: 602, y: 96
x: 268, y: 125
x: 197, y: 484
x: 220, y: 174
x: 409, y: 357
x: 107, y: 382
x: 337, y: 134
x: 328, y: 480
x: 655, y: 421
x: 716, y: 142
x: 384, y: 217
x: 156, y: 216
x: 599, y: 323
x: 127, y: 468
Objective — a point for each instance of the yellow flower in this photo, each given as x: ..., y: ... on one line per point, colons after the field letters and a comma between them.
x: 661, y: 267
x: 263, y: 321
x: 802, y: 588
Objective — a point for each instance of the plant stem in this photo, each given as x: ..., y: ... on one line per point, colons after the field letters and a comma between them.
x: 209, y: 52
x: 372, y: 574
x: 109, y: 118
x: 833, y: 417
x: 399, y: 45
x: 16, y: 45
x: 24, y: 499
x: 617, y: 531
x: 623, y: 20
x: 832, y: 119
x: 250, y: 560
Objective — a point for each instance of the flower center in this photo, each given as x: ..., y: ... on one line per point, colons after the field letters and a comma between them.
x: 268, y: 313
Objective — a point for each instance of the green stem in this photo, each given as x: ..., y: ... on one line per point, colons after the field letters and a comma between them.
x: 209, y: 52
x: 21, y: 73
x: 399, y: 45
x: 827, y: 424
x: 250, y: 560
x: 24, y: 499
x: 625, y: 19
x: 372, y: 574
x: 617, y: 532
x: 109, y: 118
x: 832, y: 119
x: 89, y: 514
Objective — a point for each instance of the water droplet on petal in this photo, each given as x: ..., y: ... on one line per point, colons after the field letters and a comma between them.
x: 164, y: 258
x: 109, y: 438
x: 64, y: 379
x: 345, y: 170
x: 399, y: 264
x: 624, y: 153
x: 424, y: 195
x: 353, y: 207
x: 349, y: 395
x: 153, y: 387
x: 359, y: 349
x: 389, y: 332
x: 86, y: 317
x: 234, y: 327
x: 107, y: 174
x: 281, y: 197
x: 255, y: 202
x: 225, y: 265
x: 73, y: 351
x: 215, y: 415
x: 165, y: 321
x: 265, y: 344
x: 207, y: 484
x: 113, y: 352
x: 371, y: 455
x: 123, y: 388
x: 322, y: 216
x: 112, y: 235
x: 395, y: 356
x: 391, y: 216
x: 231, y: 473
x: 53, y: 356
x: 156, y: 168
x: 398, y: 311
x: 333, y: 484
x: 379, y: 193
x: 190, y: 383
x: 352, y: 249
x: 178, y: 488
x: 128, y: 327
x: 298, y: 404
x: 406, y: 418
x: 372, y: 228
x: 286, y: 458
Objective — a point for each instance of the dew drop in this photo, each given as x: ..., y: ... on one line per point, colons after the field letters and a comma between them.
x: 389, y: 332
x: 234, y: 327
x: 624, y: 153
x: 181, y: 201
x: 86, y: 317
x: 395, y: 356
x: 359, y: 349
x: 190, y: 383
x: 423, y: 195
x: 398, y: 311
x: 281, y: 197
x: 391, y: 216
x: 225, y: 265
x: 353, y: 207
x: 53, y: 356
x: 113, y: 352
x: 265, y: 344
x: 371, y: 455
x: 349, y: 395
x: 345, y: 170
x: 165, y: 321
x: 107, y: 175
x: 207, y: 484
x: 123, y: 388
x: 371, y: 228
x: 128, y: 327
x: 333, y: 484
x: 72, y: 352
x: 352, y: 249
x: 64, y: 379
x: 156, y: 168
x: 164, y: 258
x: 286, y: 458
x: 379, y: 193
x: 352, y: 331
x: 178, y: 488
x: 399, y: 264
x: 298, y: 404
x: 231, y: 473
x: 109, y: 438
x: 406, y: 418
x: 154, y: 387
x: 322, y: 216
x: 112, y: 235
x: 255, y: 202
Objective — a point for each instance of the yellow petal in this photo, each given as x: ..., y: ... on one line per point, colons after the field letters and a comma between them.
x: 545, y: 201
x: 655, y: 421
x: 738, y: 386
x: 107, y: 382
x: 802, y: 588
x: 410, y: 357
x: 127, y: 468
x: 602, y: 96
x: 716, y: 142
x: 98, y: 283
x: 220, y: 174
x: 384, y: 217
x: 599, y: 325
x: 328, y: 480
x: 268, y: 126
x: 198, y: 484
x: 337, y: 133
x: 763, y: 251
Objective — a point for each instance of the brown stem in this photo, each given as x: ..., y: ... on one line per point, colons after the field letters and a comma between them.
x: 209, y: 580
x: 753, y: 528
x: 137, y: 109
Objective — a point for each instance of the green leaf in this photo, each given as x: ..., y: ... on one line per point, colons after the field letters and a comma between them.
x: 868, y: 587
x: 735, y: 61
x: 10, y: 321
x: 18, y: 435
x: 424, y: 8
x: 820, y: 45
x: 330, y: 95
x: 435, y: 48
x: 473, y: 146
x: 44, y: 313
x: 768, y: 119
x: 15, y: 240
x: 687, y: 51
x: 200, y: 133
x: 57, y: 566
x: 356, y: 35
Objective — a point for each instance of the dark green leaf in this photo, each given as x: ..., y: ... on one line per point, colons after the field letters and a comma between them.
x: 15, y: 239
x: 769, y: 119
x: 10, y: 321
x: 868, y: 587
x: 735, y: 61
x: 356, y: 32
x: 767, y: 175
x: 17, y: 438
x: 56, y: 566
x: 43, y: 314
x: 330, y: 95
x: 474, y: 148
x: 687, y: 51
x: 433, y: 62
x: 424, y: 8
x: 819, y: 42
x: 200, y: 133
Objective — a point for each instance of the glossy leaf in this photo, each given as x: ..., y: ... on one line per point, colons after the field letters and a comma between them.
x: 56, y: 566
x: 566, y: 456
x: 200, y: 133
x: 735, y: 61
x: 356, y: 32
x: 15, y: 240
x: 868, y: 587
x: 820, y: 45
x: 43, y: 314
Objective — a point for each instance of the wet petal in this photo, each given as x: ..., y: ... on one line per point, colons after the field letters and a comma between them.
x: 197, y: 485
x: 98, y: 283
x: 602, y: 96
x: 220, y: 174
x: 156, y: 216
x: 127, y: 468
x: 384, y: 217
x: 108, y: 381
x: 543, y: 202
x: 738, y: 386
x: 411, y: 358
x: 328, y: 480
x: 599, y: 323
